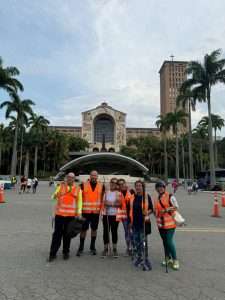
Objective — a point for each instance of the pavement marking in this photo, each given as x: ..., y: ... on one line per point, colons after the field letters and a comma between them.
x: 202, y: 229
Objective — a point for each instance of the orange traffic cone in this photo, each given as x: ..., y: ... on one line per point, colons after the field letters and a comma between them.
x: 223, y: 199
x: 2, y: 197
x: 216, y: 212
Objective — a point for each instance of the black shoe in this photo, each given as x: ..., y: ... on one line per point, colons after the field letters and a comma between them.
x: 66, y: 256
x: 93, y: 251
x: 105, y: 253
x: 79, y: 252
x: 115, y: 253
x: 51, y: 258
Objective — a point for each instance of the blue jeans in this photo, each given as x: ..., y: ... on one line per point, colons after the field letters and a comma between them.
x: 140, y: 244
x: 127, y: 232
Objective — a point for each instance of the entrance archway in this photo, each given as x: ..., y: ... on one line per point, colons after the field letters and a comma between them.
x: 104, y: 128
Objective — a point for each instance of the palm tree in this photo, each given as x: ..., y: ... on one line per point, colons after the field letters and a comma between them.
x: 174, y: 119
x: 39, y: 126
x: 200, y: 134
x: 217, y: 124
x: 21, y: 109
x: 163, y: 126
x: 187, y: 98
x: 8, y: 82
x: 2, y: 129
x: 203, y: 77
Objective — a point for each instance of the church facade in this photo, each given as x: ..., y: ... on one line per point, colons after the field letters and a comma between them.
x: 104, y: 126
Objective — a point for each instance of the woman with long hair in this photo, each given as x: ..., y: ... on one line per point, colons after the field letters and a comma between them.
x: 140, y: 209
x: 111, y: 203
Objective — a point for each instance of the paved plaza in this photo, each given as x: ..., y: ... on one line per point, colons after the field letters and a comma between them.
x: 25, y: 233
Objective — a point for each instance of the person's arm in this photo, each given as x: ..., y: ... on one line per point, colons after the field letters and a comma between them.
x: 150, y: 205
x: 174, y: 203
x: 55, y: 194
x: 118, y: 202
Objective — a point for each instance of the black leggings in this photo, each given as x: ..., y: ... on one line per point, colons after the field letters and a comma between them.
x: 59, y: 234
x: 110, y: 224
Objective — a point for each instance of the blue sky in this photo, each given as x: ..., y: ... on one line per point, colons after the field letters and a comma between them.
x: 75, y: 54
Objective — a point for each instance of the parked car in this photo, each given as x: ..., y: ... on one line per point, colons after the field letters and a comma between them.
x: 6, y: 181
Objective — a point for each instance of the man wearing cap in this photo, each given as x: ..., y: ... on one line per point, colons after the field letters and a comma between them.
x: 68, y: 206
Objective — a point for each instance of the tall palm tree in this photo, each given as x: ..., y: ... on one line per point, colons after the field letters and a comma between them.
x: 2, y: 129
x: 21, y: 109
x: 187, y: 99
x: 8, y: 82
x: 200, y: 134
x: 217, y: 124
x: 39, y: 126
x: 174, y: 120
x: 203, y: 77
x: 163, y: 126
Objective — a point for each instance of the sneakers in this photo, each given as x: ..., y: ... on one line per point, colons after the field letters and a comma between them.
x: 105, y: 253
x: 169, y: 262
x: 176, y: 265
x: 93, y: 251
x: 79, y: 252
x: 137, y: 262
x: 147, y: 266
x: 66, y: 256
x: 115, y: 253
x: 51, y: 258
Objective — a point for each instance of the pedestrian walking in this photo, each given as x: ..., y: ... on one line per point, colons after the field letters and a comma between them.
x: 23, y: 184
x: 29, y: 183
x: 165, y: 207
x: 34, y: 184
x: 123, y: 214
x: 92, y: 192
x: 174, y: 185
x: 140, y: 209
x: 111, y: 203
x: 68, y: 205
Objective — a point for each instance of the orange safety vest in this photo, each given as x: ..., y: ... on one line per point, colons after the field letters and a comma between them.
x: 165, y: 220
x: 92, y: 199
x: 67, y: 200
x: 122, y: 212
x: 144, y: 206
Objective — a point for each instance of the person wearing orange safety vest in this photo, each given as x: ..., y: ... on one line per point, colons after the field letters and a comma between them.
x: 68, y: 205
x: 92, y: 192
x: 123, y: 213
x: 165, y: 206
x: 140, y: 209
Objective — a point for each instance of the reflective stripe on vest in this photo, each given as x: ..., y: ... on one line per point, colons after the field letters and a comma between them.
x: 66, y: 201
x: 92, y: 199
x: 122, y: 212
x: 164, y: 220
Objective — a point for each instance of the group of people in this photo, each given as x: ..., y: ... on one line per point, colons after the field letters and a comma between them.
x: 116, y: 204
x: 26, y: 184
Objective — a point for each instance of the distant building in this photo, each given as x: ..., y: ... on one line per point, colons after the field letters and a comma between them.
x: 107, y: 125
x: 172, y: 75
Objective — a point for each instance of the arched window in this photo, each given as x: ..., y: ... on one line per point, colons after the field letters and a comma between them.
x: 104, y: 129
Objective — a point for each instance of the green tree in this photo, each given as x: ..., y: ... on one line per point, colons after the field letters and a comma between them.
x: 174, y: 120
x: 203, y: 77
x: 39, y: 126
x: 217, y: 124
x: 200, y: 134
x: 187, y: 99
x: 76, y: 143
x: 163, y: 126
x: 21, y: 109
x: 8, y: 82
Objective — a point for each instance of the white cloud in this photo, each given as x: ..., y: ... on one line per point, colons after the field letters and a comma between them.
x: 76, y: 54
